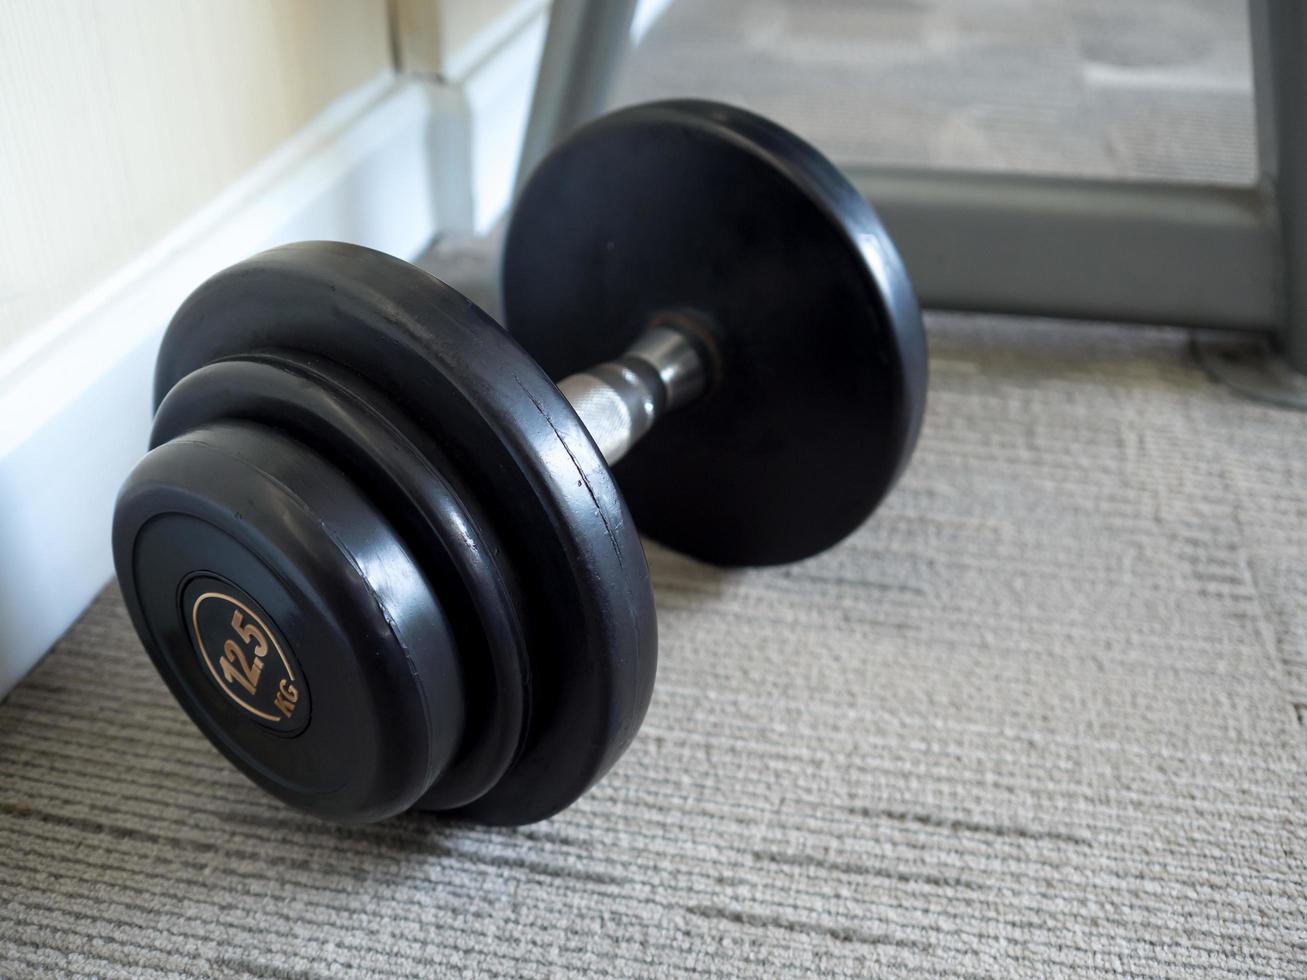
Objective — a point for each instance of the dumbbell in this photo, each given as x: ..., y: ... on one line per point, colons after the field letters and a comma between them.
x: 382, y: 559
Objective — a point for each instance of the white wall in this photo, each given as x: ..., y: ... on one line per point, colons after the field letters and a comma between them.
x: 119, y: 119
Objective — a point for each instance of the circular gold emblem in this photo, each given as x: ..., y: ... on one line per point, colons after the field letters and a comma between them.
x: 246, y: 658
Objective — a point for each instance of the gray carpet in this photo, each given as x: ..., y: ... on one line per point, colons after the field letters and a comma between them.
x: 1041, y: 716
x: 1159, y: 89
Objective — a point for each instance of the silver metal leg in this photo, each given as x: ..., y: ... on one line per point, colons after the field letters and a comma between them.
x: 1276, y: 371
x: 584, y: 45
x: 1279, y: 45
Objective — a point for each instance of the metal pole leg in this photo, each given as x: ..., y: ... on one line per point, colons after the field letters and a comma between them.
x: 1283, y: 123
x: 1276, y: 371
x: 584, y: 46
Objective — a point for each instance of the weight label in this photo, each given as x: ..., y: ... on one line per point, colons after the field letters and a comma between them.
x: 247, y: 659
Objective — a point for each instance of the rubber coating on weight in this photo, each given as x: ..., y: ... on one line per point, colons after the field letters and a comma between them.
x: 334, y: 412
x: 700, y: 206
x: 277, y: 527
x: 513, y: 440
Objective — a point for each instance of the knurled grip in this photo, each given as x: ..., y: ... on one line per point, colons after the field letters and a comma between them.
x: 616, y: 411
x: 619, y: 401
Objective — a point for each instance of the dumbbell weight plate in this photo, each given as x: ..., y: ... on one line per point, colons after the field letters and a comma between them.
x: 336, y: 414
x: 516, y: 444
x: 696, y: 206
x: 244, y: 554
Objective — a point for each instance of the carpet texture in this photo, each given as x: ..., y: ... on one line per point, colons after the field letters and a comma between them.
x: 1159, y: 90
x: 1041, y: 716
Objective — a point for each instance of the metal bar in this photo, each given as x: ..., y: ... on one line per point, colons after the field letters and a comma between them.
x: 583, y: 48
x: 619, y: 401
x: 1259, y: 34
x: 1279, y: 36
x: 1134, y: 252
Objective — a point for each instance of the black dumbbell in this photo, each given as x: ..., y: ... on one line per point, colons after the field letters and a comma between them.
x: 381, y: 558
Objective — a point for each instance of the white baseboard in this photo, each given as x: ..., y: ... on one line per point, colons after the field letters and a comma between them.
x: 479, y: 142
x: 75, y: 397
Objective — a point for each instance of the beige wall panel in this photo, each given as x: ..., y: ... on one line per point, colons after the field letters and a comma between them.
x: 119, y: 119
x: 449, y: 37
x: 465, y: 19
